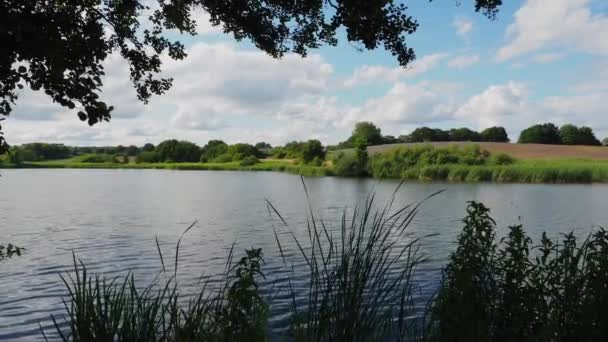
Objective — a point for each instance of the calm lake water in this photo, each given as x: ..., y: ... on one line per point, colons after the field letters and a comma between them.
x: 109, y: 219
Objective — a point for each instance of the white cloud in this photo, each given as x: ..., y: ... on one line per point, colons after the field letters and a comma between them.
x: 404, y: 104
x: 565, y: 24
x: 463, y: 26
x: 379, y: 73
x: 462, y: 62
x: 493, y: 105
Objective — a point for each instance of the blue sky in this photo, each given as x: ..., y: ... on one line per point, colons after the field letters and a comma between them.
x: 539, y: 61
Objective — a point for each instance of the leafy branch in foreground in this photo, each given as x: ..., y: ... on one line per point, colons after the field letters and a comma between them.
x: 60, y: 47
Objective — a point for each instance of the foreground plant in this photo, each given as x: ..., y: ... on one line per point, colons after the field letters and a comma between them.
x: 118, y: 310
x: 360, y: 276
x: 511, y: 291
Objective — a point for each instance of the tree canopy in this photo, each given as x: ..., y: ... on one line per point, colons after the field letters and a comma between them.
x: 494, y: 134
x: 59, y: 46
x: 546, y: 133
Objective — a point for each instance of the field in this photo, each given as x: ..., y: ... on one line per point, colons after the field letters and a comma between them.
x: 519, y: 151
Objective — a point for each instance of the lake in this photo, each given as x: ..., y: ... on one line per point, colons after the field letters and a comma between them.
x: 109, y: 220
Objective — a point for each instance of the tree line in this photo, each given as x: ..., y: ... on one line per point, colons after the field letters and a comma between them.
x: 311, y: 152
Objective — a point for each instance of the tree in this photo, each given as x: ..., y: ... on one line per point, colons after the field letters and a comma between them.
x: 212, y: 150
x: 494, y: 134
x: 148, y: 147
x: 425, y: 134
x: 569, y: 134
x: 586, y: 136
x: 368, y: 131
x: 313, y: 150
x: 132, y: 151
x: 546, y: 133
x: 361, y: 155
x: 60, y: 46
x: 263, y: 146
x: 463, y: 134
x: 178, y: 151
x: 389, y: 139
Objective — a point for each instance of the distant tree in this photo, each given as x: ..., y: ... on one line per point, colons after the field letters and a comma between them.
x: 43, y: 151
x: 426, y: 134
x: 569, y: 135
x: 361, y: 155
x: 404, y: 138
x: 263, y: 146
x: 120, y: 149
x: 147, y: 157
x: 546, y: 133
x: 312, y: 150
x: 132, y: 151
x: 240, y: 151
x: 178, y: 151
x: 148, y: 147
x: 494, y: 134
x: 605, y: 142
x: 368, y: 131
x: 587, y: 137
x: 389, y: 139
x: 212, y: 150
x: 463, y: 134
x: 440, y: 135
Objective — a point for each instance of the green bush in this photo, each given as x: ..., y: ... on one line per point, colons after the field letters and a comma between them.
x: 147, y: 157
x: 501, y: 159
x: 224, y: 158
x: 248, y: 161
x: 511, y: 290
x: 346, y: 165
x: 96, y: 158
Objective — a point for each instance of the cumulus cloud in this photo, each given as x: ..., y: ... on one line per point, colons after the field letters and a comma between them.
x: 404, y: 104
x: 463, y: 26
x: 462, y: 62
x: 566, y: 24
x: 494, y: 104
x: 378, y: 73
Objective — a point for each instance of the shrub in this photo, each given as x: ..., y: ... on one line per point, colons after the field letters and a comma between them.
x: 346, y: 165
x: 248, y: 161
x: 119, y: 310
x: 147, y: 157
x: 501, y: 159
x: 224, y: 158
x: 511, y: 290
x: 97, y: 158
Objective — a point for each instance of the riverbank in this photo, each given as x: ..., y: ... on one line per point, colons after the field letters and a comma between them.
x: 559, y: 171
x: 263, y: 165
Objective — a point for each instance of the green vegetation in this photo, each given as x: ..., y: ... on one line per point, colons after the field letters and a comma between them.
x: 353, y: 292
x: 511, y: 290
x: 117, y: 310
x: 426, y: 134
x: 309, y: 152
x: 471, y: 164
x: 361, y: 285
x: 568, y: 134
